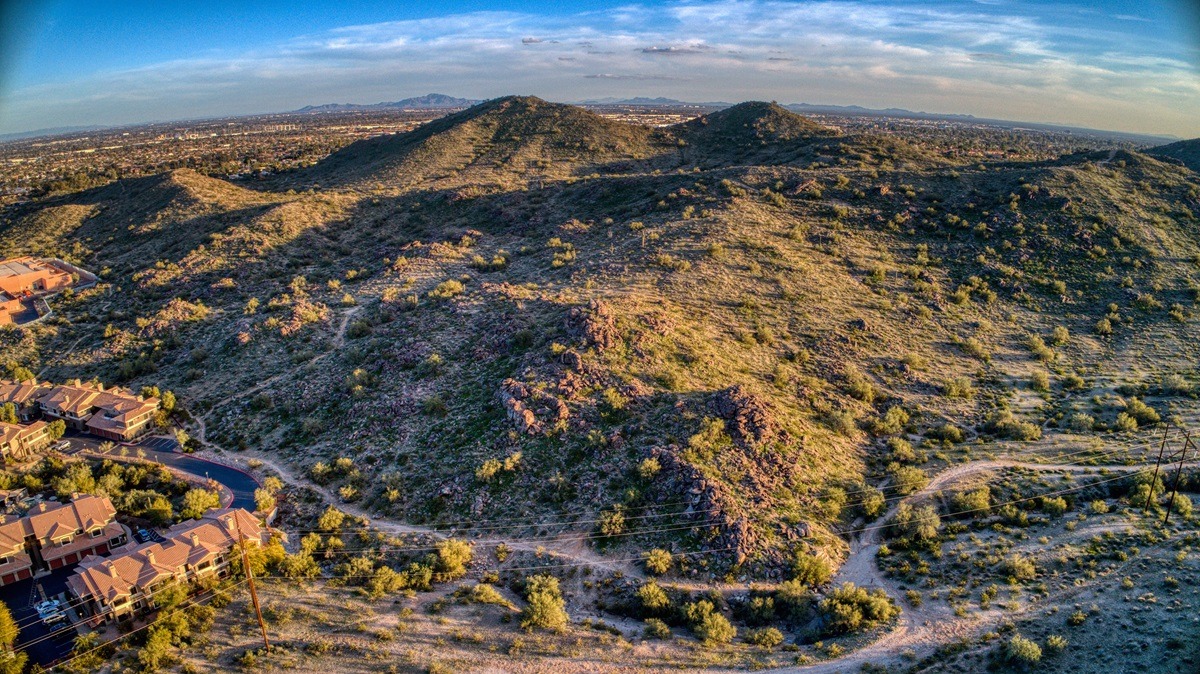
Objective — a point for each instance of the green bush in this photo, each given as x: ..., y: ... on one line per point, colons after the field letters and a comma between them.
x: 1019, y: 568
x: 767, y: 637
x: 653, y: 628
x: 1004, y: 424
x: 658, y: 561
x: 919, y: 523
x: 707, y: 624
x: 907, y: 479
x: 975, y: 501
x: 1022, y: 651
x: 850, y: 608
x: 545, y: 608
x: 654, y: 599
x: 809, y: 569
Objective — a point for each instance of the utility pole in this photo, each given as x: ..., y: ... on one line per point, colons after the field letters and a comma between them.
x: 250, y: 580
x: 1157, y: 463
x: 1187, y: 442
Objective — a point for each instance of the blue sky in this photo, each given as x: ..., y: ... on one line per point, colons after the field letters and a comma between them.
x: 1106, y: 64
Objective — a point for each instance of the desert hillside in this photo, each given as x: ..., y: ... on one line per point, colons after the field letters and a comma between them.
x: 750, y: 340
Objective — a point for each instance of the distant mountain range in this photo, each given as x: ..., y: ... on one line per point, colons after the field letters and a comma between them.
x: 426, y: 102
x: 56, y: 131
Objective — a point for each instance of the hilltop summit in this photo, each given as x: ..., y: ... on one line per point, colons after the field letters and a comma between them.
x: 521, y: 135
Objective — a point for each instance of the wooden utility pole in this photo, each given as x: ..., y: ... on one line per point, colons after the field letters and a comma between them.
x: 1157, y: 463
x: 1187, y: 442
x: 250, y: 581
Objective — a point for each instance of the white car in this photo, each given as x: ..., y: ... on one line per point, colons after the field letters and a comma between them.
x: 50, y: 611
x: 62, y: 445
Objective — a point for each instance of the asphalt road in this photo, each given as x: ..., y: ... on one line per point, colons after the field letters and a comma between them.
x: 164, y: 450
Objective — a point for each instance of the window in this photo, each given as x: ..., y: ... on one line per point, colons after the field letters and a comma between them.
x: 97, y: 533
x: 5, y: 560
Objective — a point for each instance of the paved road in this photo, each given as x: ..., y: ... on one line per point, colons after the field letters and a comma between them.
x: 164, y: 450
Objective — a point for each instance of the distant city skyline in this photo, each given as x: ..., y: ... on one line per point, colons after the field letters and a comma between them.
x: 1109, y: 64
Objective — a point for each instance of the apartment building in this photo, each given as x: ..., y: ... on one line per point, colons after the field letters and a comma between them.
x: 53, y: 535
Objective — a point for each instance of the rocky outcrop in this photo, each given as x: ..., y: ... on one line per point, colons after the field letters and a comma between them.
x: 531, y: 409
x: 708, y: 500
x: 596, y: 325
x: 749, y: 419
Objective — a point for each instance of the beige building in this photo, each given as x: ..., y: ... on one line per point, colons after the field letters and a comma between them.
x: 54, y: 535
x: 124, y: 584
x: 18, y: 442
x: 115, y: 413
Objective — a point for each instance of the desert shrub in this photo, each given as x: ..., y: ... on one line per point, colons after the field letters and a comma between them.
x: 809, y: 569
x: 907, y: 479
x: 653, y: 599
x: 612, y: 521
x: 1143, y: 413
x: 850, y: 608
x: 1060, y: 336
x: 1019, y: 568
x: 1125, y: 422
x: 1037, y: 346
x: 892, y: 422
x: 917, y: 522
x: 767, y: 637
x: 959, y: 387
x: 1054, y: 505
x: 1056, y: 643
x: 947, y: 432
x: 1081, y: 422
x: 1040, y: 381
x: 446, y: 290
x: 1022, y: 651
x: 1103, y: 327
x: 545, y: 608
x: 658, y: 561
x: 1098, y: 507
x: 901, y: 451
x: 858, y: 385
x: 792, y: 600
x: 975, y: 349
x: 1004, y: 424
x: 451, y: 559
x: 1182, y: 505
x: 653, y: 628
x: 707, y: 624
x: 872, y: 503
x: 974, y: 501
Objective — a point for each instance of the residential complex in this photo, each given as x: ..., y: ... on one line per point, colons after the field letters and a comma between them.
x: 24, y: 278
x: 54, y: 535
x: 20, y: 441
x: 124, y: 583
x: 114, y: 413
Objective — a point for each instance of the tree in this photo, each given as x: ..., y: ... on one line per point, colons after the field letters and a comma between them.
x: 331, y: 519
x: 182, y: 437
x: 653, y: 598
x: 545, y: 608
x: 55, y: 429
x: 264, y: 501
x: 198, y: 501
x: 167, y: 402
x: 159, y: 510
x: 156, y: 652
x: 8, y: 413
x: 8, y: 629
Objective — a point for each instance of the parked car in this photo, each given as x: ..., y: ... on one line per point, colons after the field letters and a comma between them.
x: 62, y: 445
x: 50, y: 611
x: 143, y: 535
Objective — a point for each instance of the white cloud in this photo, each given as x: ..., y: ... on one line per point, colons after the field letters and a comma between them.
x: 982, y: 59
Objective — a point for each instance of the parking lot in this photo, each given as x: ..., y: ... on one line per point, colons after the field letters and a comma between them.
x: 44, y: 643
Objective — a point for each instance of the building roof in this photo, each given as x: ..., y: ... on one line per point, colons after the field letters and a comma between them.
x: 11, y: 432
x: 116, y: 405
x: 135, y: 567
x: 20, y: 393
x: 48, y: 520
x: 19, y: 266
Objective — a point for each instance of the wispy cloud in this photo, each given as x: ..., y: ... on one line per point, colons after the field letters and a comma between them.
x: 992, y: 59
